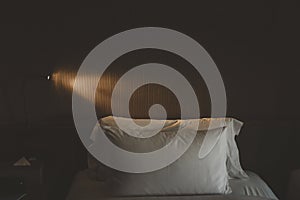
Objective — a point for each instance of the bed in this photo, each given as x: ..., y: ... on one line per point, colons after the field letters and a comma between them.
x: 214, y: 174
x: 85, y: 188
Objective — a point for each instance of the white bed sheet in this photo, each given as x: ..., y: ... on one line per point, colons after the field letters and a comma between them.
x: 84, y: 187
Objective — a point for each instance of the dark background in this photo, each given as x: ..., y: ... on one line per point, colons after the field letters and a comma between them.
x: 255, y: 45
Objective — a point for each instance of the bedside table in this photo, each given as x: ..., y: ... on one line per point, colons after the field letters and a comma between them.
x: 32, y: 177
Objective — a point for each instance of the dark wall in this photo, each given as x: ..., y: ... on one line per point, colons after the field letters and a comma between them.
x: 254, y: 44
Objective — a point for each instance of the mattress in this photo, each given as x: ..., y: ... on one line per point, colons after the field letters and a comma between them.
x: 253, y: 188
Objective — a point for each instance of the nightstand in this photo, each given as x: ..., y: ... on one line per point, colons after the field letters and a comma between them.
x: 32, y: 177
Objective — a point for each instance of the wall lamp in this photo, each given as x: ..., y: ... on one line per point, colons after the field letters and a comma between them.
x: 48, y: 77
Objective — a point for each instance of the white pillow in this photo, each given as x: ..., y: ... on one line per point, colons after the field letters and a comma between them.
x: 233, y: 163
x: 234, y: 126
x: 200, y: 170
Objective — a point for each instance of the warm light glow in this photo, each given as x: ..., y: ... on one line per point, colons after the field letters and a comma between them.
x: 65, y: 80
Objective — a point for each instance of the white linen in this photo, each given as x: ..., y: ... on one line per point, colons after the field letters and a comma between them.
x: 233, y: 128
x: 190, y: 174
x: 84, y: 186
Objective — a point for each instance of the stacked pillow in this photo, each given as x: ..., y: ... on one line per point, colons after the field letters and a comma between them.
x: 205, y: 168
